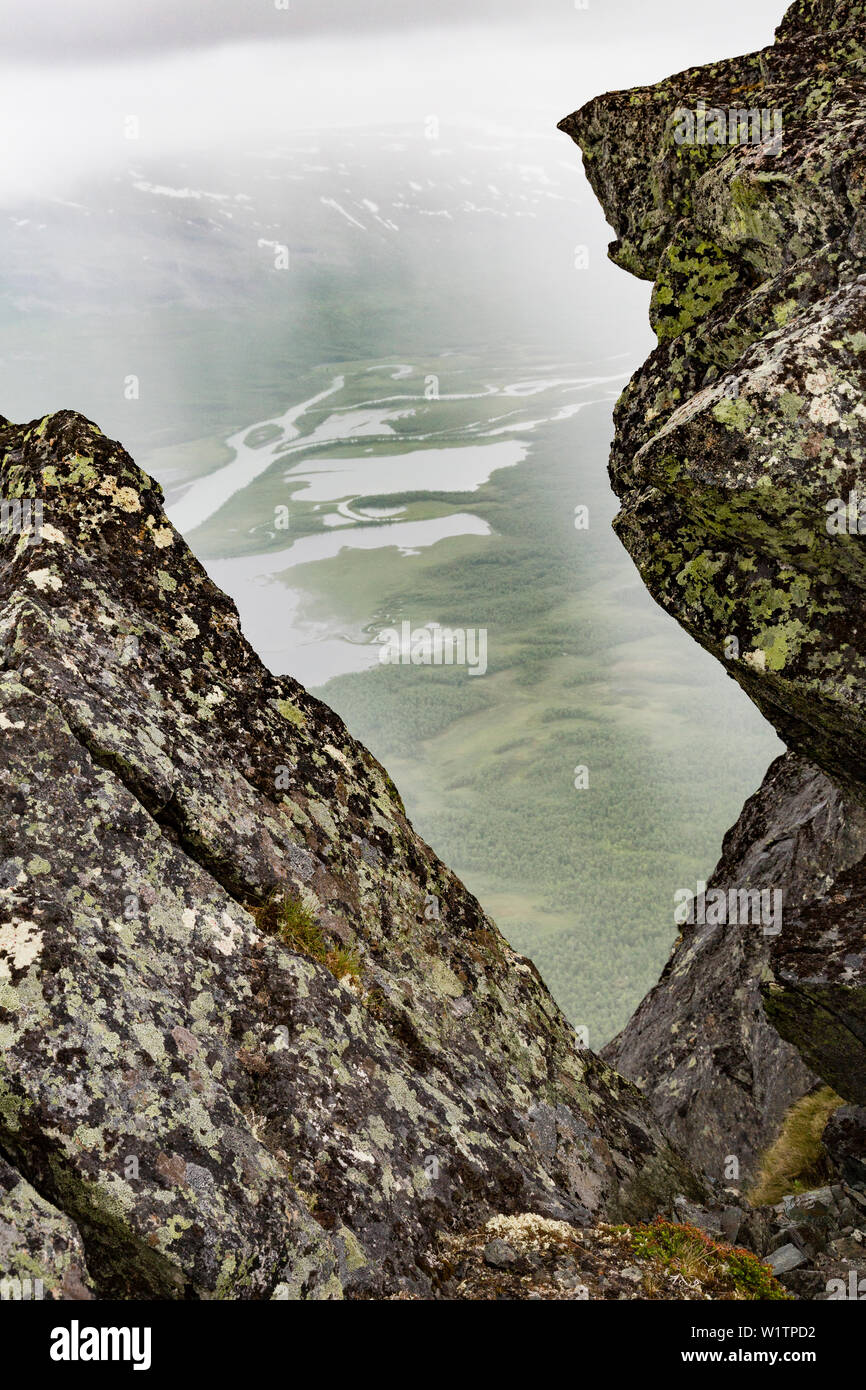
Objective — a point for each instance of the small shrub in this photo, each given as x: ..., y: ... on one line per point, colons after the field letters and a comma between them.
x: 723, y: 1271
x: 797, y: 1160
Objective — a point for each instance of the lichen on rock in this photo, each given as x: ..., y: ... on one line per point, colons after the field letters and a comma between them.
x: 739, y: 461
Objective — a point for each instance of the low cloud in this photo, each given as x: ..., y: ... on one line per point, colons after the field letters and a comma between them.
x: 70, y: 31
x: 64, y: 30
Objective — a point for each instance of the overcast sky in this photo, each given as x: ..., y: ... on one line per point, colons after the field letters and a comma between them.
x: 199, y: 75
x: 67, y: 30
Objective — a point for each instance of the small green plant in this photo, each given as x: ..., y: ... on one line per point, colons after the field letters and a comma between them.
x: 343, y: 962
x: 797, y: 1160
x: 287, y: 918
x: 376, y: 1003
x: 723, y: 1271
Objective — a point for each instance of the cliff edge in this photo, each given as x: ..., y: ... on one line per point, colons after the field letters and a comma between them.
x: 739, y: 461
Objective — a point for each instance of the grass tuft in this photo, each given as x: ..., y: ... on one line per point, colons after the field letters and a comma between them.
x: 797, y: 1160
x: 296, y: 926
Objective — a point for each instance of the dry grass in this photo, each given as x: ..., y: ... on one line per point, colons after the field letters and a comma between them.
x: 797, y: 1160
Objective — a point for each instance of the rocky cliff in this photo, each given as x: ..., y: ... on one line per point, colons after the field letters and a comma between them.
x: 719, y: 1076
x: 739, y: 461
x: 257, y: 1041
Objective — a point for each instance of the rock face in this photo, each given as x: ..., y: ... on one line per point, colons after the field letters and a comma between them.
x: 844, y: 1139
x: 817, y: 995
x: 41, y: 1252
x: 700, y: 1044
x: 193, y: 1105
x: 747, y: 423
x: 739, y: 461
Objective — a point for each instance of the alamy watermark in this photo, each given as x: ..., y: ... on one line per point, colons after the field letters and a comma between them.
x: 710, y: 125
x: 846, y: 516
x: 854, y: 1289
x: 17, y: 1290
x: 734, y: 907
x: 77, y: 1343
x: 434, y: 645
x: 22, y: 516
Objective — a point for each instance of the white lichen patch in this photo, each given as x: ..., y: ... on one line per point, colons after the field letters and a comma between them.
x: 339, y: 755
x: 186, y: 628
x: 529, y: 1227
x: 163, y: 537
x: 50, y: 533
x: 756, y: 659
x: 822, y: 411
x: 45, y: 579
x: 20, y: 946
x: 126, y: 498
x: 226, y: 933
x: 818, y: 383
